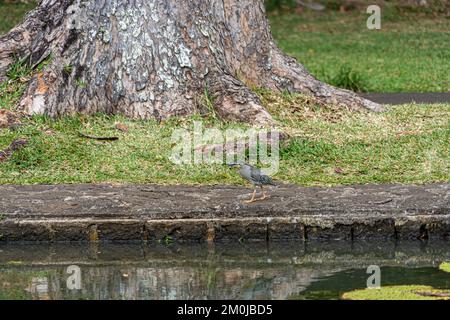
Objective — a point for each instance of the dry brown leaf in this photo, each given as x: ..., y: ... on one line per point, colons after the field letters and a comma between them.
x: 121, y: 127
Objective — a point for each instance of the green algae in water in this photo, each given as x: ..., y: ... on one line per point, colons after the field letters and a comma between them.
x: 17, y: 285
x: 445, y: 266
x: 411, y: 292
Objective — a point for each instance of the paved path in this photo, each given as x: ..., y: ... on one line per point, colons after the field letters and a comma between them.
x: 186, y: 213
x: 404, y: 98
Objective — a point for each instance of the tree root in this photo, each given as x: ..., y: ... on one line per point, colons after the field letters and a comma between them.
x: 234, y: 101
x: 288, y: 75
x: 32, y: 39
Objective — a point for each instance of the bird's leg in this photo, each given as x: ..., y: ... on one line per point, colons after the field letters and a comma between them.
x: 253, y: 197
x: 264, y: 196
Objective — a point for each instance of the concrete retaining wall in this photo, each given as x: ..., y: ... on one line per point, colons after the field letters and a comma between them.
x: 91, y: 213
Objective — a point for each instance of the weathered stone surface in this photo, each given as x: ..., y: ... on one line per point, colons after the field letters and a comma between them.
x: 216, y: 213
x: 167, y: 231
x: 423, y: 227
x: 288, y: 229
x: 241, y: 230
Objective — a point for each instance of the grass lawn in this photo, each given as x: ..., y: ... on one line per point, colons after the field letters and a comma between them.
x: 409, y: 54
x: 407, y: 144
x: 11, y: 14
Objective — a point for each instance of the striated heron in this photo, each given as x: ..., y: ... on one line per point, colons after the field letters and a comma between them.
x: 255, y: 177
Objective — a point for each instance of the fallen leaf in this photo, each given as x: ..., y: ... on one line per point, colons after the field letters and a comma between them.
x: 24, y: 79
x: 49, y: 132
x: 121, y: 127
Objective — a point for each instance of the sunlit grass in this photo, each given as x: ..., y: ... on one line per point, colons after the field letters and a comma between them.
x: 409, y: 54
x: 327, y: 146
x: 407, y: 144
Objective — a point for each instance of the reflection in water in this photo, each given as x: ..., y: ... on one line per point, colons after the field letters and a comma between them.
x: 282, y: 271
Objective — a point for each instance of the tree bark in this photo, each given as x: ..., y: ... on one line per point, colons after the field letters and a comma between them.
x: 156, y: 58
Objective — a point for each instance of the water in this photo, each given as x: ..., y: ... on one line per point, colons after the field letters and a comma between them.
x: 246, y: 271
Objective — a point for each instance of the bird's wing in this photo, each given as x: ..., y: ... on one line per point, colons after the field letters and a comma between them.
x: 258, y: 176
x: 255, y: 173
x: 267, y: 180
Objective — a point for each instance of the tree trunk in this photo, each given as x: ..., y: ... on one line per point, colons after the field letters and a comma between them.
x: 157, y: 58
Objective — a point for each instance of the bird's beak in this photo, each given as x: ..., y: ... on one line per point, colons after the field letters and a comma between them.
x: 232, y: 165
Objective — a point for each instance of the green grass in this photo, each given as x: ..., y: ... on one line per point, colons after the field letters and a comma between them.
x: 407, y: 144
x: 11, y: 14
x: 411, y: 53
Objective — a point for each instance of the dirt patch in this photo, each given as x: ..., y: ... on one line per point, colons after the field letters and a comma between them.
x: 8, y: 119
x: 14, y: 146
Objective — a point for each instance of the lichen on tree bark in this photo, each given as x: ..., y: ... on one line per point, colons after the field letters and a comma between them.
x: 155, y: 58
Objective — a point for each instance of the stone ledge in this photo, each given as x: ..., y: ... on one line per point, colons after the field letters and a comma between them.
x: 91, y: 213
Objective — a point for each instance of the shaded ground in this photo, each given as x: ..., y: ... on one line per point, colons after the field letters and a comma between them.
x: 406, y: 98
x: 183, y: 213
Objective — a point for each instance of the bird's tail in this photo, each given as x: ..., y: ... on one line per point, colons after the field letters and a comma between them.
x: 268, y: 181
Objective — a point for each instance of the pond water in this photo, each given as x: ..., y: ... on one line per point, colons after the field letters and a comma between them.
x: 245, y: 271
